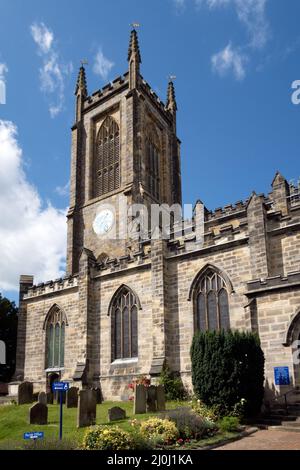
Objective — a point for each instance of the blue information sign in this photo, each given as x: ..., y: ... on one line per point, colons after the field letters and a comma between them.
x: 60, y: 386
x: 33, y: 435
x: 282, y: 376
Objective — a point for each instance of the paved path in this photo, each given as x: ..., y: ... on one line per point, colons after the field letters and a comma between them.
x: 266, y: 440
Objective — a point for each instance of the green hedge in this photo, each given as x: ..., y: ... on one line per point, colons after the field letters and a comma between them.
x: 227, y: 367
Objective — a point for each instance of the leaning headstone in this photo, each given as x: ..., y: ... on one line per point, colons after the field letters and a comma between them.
x: 25, y: 393
x: 116, y: 413
x: 42, y: 398
x: 72, y: 397
x: 87, y: 406
x: 140, y: 399
x: 151, y: 398
x: 38, y: 414
x: 160, y: 398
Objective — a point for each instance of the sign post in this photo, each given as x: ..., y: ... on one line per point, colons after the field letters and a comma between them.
x: 60, y: 387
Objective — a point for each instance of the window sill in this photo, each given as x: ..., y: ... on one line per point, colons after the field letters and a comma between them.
x: 130, y: 360
x: 54, y: 369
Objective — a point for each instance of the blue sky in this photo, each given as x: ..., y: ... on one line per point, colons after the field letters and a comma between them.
x: 234, y: 60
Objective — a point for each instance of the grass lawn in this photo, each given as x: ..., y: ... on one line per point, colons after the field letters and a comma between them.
x: 14, y: 421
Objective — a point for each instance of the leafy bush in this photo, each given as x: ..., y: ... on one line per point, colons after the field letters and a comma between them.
x: 172, y: 383
x: 210, y: 413
x: 163, y: 430
x: 227, y: 367
x: 107, y: 438
x: 190, y: 425
x: 229, y: 424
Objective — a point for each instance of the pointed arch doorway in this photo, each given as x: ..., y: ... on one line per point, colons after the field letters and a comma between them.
x: 292, y: 340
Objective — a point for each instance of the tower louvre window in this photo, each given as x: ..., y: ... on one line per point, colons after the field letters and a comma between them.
x: 107, y: 158
x: 152, y: 167
x: 211, y: 302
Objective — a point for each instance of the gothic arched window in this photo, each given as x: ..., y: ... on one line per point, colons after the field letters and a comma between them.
x: 124, y: 324
x: 55, y: 337
x: 152, y: 163
x: 211, y: 302
x: 107, y: 158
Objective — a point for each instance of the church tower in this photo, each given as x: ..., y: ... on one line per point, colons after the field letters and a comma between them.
x: 124, y: 151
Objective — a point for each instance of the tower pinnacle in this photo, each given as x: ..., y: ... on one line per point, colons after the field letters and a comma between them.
x: 81, y: 87
x: 171, y: 100
x: 134, y: 59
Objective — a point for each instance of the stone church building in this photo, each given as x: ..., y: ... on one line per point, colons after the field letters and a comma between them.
x: 127, y: 305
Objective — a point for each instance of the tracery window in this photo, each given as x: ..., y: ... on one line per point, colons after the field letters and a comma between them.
x: 211, y: 302
x: 124, y: 325
x: 107, y: 158
x: 55, y: 338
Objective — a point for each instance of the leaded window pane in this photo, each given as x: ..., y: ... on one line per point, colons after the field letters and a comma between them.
x: 55, y: 339
x: 224, y: 309
x: 126, y: 340
x: 201, y: 312
x: 118, y: 335
x: 212, y: 311
x: 124, y: 333
x: 134, y: 332
x: 212, y: 303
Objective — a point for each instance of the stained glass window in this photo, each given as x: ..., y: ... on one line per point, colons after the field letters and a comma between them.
x: 55, y: 338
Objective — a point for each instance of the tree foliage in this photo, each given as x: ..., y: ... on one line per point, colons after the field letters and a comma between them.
x: 8, y: 334
x: 226, y: 368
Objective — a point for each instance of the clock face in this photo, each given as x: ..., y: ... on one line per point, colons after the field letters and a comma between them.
x: 103, y: 222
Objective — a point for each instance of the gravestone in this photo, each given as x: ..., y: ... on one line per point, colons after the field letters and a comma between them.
x: 25, y: 393
x: 38, y: 414
x: 116, y: 413
x: 140, y: 399
x: 42, y: 398
x: 151, y: 398
x: 49, y: 398
x: 160, y: 398
x: 87, y: 406
x: 72, y: 397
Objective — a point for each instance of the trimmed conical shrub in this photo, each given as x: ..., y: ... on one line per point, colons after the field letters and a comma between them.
x: 228, y: 366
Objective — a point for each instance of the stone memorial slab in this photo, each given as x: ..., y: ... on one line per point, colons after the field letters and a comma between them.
x: 72, y: 397
x: 160, y: 398
x: 87, y: 406
x: 38, y: 414
x: 42, y: 398
x: 151, y: 399
x: 140, y: 399
x: 116, y: 413
x: 25, y: 393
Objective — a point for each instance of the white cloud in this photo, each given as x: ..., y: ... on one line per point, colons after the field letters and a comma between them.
x: 3, y: 72
x: 252, y: 13
x: 33, y: 237
x: 102, y: 65
x: 42, y: 36
x: 52, y: 72
x: 229, y: 60
x: 63, y: 190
